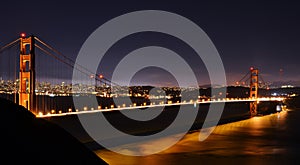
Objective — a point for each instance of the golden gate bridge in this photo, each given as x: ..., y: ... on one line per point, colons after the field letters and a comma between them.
x: 21, y: 82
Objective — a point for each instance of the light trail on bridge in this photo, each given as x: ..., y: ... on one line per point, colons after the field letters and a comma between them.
x: 191, y: 102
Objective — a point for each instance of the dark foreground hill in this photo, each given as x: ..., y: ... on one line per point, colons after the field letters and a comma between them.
x: 29, y: 140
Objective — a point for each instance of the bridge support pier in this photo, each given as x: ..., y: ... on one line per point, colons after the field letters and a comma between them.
x: 253, y: 108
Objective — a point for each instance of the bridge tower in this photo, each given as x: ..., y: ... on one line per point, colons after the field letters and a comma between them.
x: 253, y: 83
x: 27, y: 72
x: 253, y: 90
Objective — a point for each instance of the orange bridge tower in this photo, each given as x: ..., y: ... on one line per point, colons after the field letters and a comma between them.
x: 253, y: 90
x: 27, y: 72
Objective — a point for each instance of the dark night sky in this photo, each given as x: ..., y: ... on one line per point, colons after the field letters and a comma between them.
x: 264, y: 34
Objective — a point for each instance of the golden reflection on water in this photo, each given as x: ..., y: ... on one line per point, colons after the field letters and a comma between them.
x: 230, y: 142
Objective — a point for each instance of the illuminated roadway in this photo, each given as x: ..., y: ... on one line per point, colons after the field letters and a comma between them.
x: 119, y: 108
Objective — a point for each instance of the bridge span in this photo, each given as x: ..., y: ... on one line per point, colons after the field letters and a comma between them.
x: 191, y: 102
x: 25, y: 86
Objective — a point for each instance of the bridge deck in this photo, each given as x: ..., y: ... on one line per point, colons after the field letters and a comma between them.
x: 191, y: 102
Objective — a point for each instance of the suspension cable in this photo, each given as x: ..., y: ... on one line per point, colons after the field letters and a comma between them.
x: 59, y: 53
x: 61, y: 60
x: 76, y: 64
x: 263, y: 81
x: 11, y: 44
x: 244, y: 77
x: 57, y: 58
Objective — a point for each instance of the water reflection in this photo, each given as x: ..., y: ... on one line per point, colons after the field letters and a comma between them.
x: 259, y: 140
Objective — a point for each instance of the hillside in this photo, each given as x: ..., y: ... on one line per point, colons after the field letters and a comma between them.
x: 26, y: 139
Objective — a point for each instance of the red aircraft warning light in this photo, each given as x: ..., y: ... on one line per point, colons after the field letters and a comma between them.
x: 23, y: 35
x: 100, y: 76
